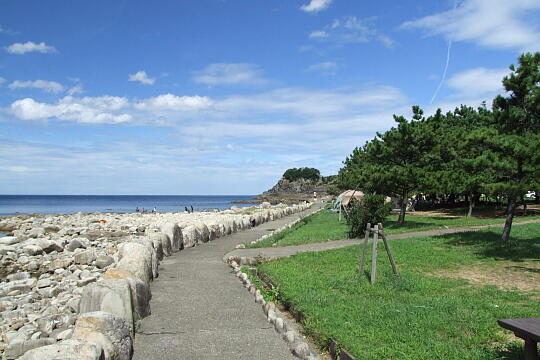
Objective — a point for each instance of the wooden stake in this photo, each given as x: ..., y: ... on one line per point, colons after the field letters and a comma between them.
x: 390, y: 256
x: 364, y: 249
x: 374, y: 255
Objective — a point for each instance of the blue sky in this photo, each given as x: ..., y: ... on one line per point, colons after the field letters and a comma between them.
x: 222, y: 96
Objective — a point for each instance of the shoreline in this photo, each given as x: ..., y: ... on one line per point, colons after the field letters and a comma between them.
x: 56, y: 268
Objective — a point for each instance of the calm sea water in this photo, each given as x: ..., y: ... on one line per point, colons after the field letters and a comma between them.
x: 70, y: 204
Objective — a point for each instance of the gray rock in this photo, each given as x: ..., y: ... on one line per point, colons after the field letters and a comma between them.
x: 174, y: 233
x: 110, y: 295
x: 67, y: 350
x: 73, y: 304
x: 51, y: 229
x: 111, y: 332
x: 85, y: 257
x: 17, y: 348
x: 33, y: 249
x: 76, y: 243
x: 103, y: 261
x: 140, y: 292
x: 9, y: 240
x: 137, y: 259
x: 42, y: 283
x: 18, y: 276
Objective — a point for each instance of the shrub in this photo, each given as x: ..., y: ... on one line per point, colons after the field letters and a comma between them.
x: 371, y: 209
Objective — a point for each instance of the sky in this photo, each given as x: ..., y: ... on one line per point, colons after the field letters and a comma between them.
x: 222, y: 96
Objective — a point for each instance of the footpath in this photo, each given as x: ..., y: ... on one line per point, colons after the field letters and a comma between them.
x: 277, y: 252
x: 201, y: 311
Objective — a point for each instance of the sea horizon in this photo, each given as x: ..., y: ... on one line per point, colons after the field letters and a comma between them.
x: 71, y: 204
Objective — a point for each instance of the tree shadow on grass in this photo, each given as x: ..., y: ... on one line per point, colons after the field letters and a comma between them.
x: 488, y: 244
x: 514, y: 351
x: 393, y: 226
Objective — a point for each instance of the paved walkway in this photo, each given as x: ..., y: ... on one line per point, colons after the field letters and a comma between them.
x: 284, y: 251
x: 201, y: 311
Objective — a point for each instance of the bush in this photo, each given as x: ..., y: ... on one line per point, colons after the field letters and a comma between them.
x: 371, y: 209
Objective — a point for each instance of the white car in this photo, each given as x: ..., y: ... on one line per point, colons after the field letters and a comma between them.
x: 530, y: 195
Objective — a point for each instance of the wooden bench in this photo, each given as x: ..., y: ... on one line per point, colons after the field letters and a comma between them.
x: 529, y: 330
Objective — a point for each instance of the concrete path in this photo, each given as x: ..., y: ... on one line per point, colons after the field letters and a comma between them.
x: 284, y: 251
x: 201, y: 311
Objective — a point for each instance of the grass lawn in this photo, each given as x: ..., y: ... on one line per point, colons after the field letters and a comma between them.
x: 430, y: 312
x: 325, y: 226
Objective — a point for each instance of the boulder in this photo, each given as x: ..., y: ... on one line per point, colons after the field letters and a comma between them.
x: 110, y: 295
x: 103, y: 261
x: 110, y: 332
x: 33, y: 249
x: 191, y: 236
x: 140, y: 292
x: 76, y: 243
x: 137, y: 259
x: 165, y: 242
x: 149, y: 245
x: 49, y: 246
x: 17, y: 348
x: 85, y: 257
x: 9, y: 240
x: 172, y: 230
x: 66, y: 350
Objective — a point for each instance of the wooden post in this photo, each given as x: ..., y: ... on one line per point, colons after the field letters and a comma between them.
x: 388, y: 251
x: 364, y: 249
x: 374, y: 255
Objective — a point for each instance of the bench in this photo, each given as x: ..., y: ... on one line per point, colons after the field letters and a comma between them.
x: 529, y: 330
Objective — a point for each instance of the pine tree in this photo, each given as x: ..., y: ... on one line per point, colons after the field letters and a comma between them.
x: 514, y: 141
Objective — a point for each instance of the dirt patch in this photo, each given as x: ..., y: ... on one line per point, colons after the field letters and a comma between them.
x: 507, y: 275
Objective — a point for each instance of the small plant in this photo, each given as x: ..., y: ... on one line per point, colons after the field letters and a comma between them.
x: 371, y: 209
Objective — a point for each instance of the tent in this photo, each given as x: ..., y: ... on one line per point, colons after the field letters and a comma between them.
x: 344, y: 199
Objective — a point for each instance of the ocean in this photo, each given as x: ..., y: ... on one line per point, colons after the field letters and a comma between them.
x: 70, y: 204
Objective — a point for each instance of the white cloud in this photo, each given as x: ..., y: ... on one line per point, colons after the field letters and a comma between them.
x: 142, y: 77
x: 77, y: 89
x: 29, y: 46
x: 47, y: 86
x: 351, y: 29
x: 315, y: 6
x: 2, y: 80
x: 290, y: 104
x: 5, y: 31
x: 326, y: 67
x: 499, y: 24
x: 170, y: 102
x: 478, y: 82
x: 318, y: 34
x: 230, y: 74
x: 88, y: 110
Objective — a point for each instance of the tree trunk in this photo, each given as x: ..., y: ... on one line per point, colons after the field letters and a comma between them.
x: 524, y: 205
x: 509, y: 218
x: 471, y: 205
x: 401, y: 219
x: 537, y: 197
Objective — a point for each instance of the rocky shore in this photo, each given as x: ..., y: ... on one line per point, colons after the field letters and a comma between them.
x: 75, y: 286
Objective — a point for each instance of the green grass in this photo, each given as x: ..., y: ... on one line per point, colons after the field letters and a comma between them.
x: 325, y: 226
x: 416, y: 315
x: 319, y: 227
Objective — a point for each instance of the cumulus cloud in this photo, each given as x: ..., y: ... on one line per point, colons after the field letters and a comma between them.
x: 499, y: 24
x: 29, y: 46
x: 142, y: 77
x: 88, y: 110
x: 47, y: 86
x: 478, y: 81
x: 315, y: 6
x: 230, y: 74
x: 170, y: 102
x: 351, y: 29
